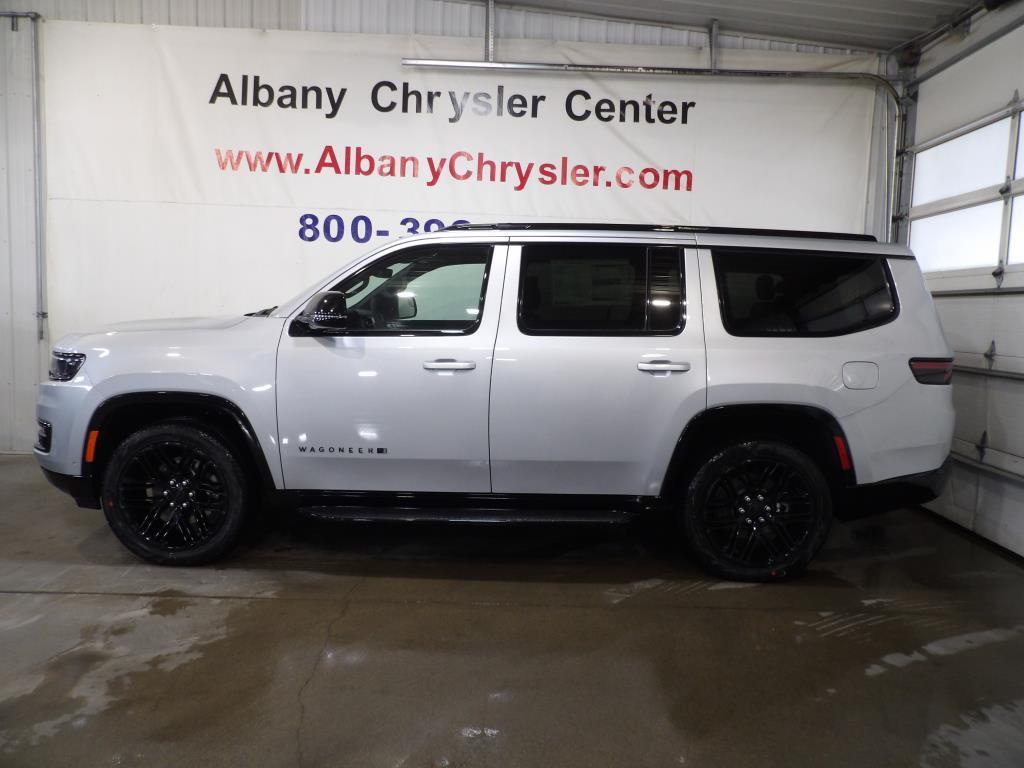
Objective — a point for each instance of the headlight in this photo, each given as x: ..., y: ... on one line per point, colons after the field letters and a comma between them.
x: 64, y: 365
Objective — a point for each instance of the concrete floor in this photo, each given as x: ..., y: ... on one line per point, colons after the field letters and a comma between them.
x: 384, y: 645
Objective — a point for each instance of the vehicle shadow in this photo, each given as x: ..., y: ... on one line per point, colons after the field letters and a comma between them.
x: 570, y: 552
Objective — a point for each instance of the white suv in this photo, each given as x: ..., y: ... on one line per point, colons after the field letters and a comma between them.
x: 746, y: 382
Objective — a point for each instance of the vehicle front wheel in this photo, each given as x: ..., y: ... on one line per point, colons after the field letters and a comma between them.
x: 174, y: 495
x: 757, y: 511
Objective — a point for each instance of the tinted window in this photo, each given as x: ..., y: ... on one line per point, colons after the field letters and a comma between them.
x: 438, y: 289
x: 665, y: 290
x: 600, y: 288
x: 773, y: 293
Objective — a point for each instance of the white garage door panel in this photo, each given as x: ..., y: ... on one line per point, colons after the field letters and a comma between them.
x: 960, y: 498
x: 1008, y: 331
x: 998, y: 516
x: 967, y: 323
x: 971, y: 324
x: 969, y: 395
x: 985, y: 503
x: 985, y: 500
x: 956, y: 96
x: 991, y: 505
x: 1006, y: 416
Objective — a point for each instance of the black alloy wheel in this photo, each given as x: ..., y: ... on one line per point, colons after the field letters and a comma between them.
x: 757, y: 511
x: 174, y: 494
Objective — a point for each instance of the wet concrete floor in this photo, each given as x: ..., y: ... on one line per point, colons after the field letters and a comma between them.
x: 389, y: 645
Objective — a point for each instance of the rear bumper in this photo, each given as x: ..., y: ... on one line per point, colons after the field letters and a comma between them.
x: 907, y: 490
x: 79, y: 488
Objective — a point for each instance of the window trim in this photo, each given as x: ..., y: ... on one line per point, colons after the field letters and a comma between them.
x: 397, y: 255
x: 723, y: 292
x: 680, y: 325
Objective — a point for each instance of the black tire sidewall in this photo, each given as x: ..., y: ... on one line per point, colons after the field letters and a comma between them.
x: 712, y: 469
x: 231, y: 473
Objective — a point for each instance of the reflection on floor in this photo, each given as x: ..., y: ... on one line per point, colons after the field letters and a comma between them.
x: 385, y: 645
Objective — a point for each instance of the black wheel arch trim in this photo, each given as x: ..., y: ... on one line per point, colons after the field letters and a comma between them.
x: 194, y: 401
x: 689, y: 445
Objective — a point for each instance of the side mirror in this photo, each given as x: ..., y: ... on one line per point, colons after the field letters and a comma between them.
x: 406, y: 307
x: 326, y: 313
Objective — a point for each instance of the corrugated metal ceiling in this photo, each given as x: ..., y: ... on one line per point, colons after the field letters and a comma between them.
x: 876, y: 24
x: 845, y: 24
x: 407, y: 17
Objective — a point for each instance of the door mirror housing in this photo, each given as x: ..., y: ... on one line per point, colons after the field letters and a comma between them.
x: 324, y: 314
x: 406, y: 307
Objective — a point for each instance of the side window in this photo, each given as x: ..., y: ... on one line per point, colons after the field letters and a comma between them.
x: 432, y: 289
x: 777, y: 293
x: 602, y: 289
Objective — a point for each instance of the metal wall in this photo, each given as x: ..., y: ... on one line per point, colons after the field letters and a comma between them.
x: 22, y: 356
x: 262, y: 14
x: 19, y: 344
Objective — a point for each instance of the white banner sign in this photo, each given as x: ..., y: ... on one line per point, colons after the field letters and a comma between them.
x: 200, y: 171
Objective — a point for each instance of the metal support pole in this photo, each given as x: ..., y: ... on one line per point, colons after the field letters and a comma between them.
x: 37, y: 149
x: 895, y: 172
x: 15, y: 15
x: 713, y: 45
x: 1007, y: 192
x: 863, y: 78
x: 37, y: 146
x: 489, y: 22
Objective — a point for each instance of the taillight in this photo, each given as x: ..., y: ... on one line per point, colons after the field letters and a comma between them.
x: 932, y: 370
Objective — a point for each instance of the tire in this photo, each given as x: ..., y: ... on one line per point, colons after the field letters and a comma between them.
x: 757, y: 511
x: 174, y: 495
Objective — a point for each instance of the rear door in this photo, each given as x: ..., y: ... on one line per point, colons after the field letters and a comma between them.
x: 598, y: 366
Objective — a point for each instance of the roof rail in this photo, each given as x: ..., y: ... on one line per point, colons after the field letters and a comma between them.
x: 542, y: 226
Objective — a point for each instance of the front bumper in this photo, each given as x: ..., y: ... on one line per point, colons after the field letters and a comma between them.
x: 63, y: 405
x: 79, y: 488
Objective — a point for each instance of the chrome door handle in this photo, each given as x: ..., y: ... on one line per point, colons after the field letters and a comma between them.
x: 662, y: 365
x: 449, y: 365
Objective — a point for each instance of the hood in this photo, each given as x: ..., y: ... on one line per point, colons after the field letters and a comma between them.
x: 140, y: 326
x: 174, y: 324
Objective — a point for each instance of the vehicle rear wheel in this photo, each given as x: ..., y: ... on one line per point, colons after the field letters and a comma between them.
x: 757, y: 511
x: 174, y: 495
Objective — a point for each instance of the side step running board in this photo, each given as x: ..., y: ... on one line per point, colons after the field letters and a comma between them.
x: 456, y: 515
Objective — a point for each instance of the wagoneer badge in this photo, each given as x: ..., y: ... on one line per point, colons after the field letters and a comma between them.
x: 314, y: 450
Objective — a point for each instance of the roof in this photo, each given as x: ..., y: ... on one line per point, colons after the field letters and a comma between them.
x: 680, y: 228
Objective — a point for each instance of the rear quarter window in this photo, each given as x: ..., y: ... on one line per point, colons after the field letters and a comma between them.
x: 802, y: 293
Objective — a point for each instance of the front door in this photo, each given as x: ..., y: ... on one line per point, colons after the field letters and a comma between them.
x: 398, y: 401
x: 597, y: 368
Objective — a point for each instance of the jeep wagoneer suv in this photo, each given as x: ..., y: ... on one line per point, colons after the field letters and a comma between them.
x: 742, y: 381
